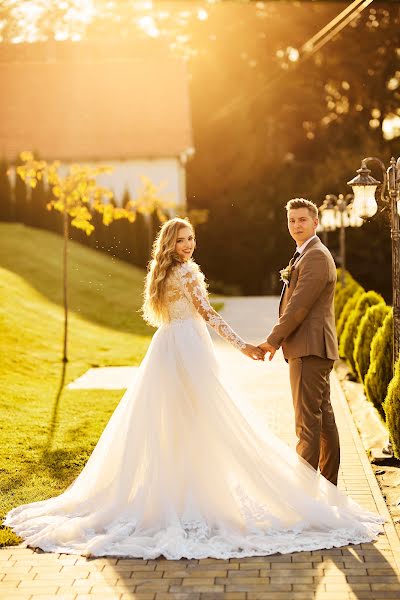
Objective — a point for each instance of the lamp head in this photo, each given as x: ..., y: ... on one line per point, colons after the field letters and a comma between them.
x: 364, y: 186
x: 328, y: 214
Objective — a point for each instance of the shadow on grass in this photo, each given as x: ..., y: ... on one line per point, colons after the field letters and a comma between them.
x: 54, y: 416
x: 61, y: 464
x: 102, y: 290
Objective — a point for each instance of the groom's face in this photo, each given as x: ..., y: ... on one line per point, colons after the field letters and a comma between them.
x: 302, y: 225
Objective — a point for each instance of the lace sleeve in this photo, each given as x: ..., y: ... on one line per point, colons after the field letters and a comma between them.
x: 195, y: 289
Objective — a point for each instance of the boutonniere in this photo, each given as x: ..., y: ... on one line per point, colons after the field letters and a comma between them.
x: 285, y: 274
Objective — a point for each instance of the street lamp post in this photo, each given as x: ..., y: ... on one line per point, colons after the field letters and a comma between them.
x: 337, y: 212
x: 365, y: 206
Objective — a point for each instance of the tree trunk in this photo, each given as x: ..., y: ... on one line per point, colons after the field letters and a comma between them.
x: 65, y: 275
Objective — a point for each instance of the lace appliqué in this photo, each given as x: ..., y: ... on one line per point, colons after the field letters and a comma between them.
x: 195, y: 290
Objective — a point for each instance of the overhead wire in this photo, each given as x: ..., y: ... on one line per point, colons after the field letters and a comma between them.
x: 308, y: 49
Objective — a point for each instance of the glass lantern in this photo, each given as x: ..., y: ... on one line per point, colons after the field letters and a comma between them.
x: 364, y: 203
x: 328, y: 219
x: 364, y: 186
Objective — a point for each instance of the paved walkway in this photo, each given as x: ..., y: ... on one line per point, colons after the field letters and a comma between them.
x: 356, y: 572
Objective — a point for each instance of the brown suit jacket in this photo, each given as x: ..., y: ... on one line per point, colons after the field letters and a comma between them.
x: 306, y: 323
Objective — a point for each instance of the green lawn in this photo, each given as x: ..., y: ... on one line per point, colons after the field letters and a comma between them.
x: 48, y: 432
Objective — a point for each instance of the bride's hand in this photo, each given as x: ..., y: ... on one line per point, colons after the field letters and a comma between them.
x: 253, y: 352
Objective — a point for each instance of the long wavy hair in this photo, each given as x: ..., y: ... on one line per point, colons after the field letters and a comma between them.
x: 164, y: 257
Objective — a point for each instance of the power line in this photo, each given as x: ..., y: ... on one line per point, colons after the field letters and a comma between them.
x: 308, y: 49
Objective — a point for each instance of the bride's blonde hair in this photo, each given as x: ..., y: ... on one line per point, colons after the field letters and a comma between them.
x: 164, y: 256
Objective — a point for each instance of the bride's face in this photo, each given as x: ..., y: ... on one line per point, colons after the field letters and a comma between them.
x: 185, y: 243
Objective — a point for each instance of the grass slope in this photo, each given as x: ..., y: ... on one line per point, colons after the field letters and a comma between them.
x: 48, y: 432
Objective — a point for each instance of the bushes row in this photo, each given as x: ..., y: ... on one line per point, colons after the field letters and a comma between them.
x: 350, y: 329
x: 364, y: 326
x: 392, y: 410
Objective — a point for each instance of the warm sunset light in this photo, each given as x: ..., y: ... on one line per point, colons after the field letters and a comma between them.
x: 199, y: 299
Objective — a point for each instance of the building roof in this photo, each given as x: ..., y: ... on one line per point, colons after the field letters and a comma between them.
x: 90, y: 106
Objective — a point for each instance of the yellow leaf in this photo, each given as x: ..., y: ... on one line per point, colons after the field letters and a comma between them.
x: 26, y: 156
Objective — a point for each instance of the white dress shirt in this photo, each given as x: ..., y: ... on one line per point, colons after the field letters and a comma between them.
x: 303, y: 246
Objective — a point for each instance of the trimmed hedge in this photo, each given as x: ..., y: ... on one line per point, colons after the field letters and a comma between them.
x: 347, y: 310
x: 343, y: 294
x: 350, y: 330
x: 391, y: 407
x: 380, y: 370
x: 369, y: 325
x: 348, y: 279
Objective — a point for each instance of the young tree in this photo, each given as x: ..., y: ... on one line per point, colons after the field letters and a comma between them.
x: 79, y: 198
x: 75, y: 195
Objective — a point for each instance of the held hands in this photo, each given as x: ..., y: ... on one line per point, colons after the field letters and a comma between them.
x: 265, y: 347
x: 253, y: 352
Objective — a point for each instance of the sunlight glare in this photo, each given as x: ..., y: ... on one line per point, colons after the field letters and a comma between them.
x: 202, y: 14
x: 293, y: 54
x: 148, y: 25
x: 391, y: 127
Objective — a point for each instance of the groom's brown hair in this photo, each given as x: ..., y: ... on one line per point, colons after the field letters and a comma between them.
x: 303, y: 203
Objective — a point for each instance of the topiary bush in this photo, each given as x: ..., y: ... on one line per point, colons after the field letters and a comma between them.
x: 343, y: 295
x: 380, y: 370
x: 350, y: 330
x: 348, y: 308
x: 391, y: 408
x: 369, y: 325
x: 347, y: 280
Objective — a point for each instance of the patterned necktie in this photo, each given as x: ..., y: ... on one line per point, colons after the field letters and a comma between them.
x: 294, y: 257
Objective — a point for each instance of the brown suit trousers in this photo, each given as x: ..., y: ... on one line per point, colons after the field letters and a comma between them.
x: 317, y: 434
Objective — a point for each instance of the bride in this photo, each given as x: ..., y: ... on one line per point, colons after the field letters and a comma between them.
x: 179, y: 470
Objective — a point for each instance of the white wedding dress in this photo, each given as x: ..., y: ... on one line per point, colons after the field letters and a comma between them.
x: 180, y: 471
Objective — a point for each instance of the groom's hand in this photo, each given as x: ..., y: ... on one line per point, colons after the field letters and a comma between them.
x: 266, y: 347
x: 253, y: 352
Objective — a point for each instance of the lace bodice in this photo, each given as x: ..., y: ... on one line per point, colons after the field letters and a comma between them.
x: 187, y: 298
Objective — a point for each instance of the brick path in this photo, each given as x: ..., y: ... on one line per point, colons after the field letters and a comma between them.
x: 355, y: 572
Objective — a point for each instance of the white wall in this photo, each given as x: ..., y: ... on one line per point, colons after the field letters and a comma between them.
x: 168, y: 172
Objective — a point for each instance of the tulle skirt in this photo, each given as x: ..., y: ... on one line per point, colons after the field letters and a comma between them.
x: 181, y: 471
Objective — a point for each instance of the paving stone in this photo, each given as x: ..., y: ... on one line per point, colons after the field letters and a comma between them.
x: 177, y: 596
x: 51, y: 596
x: 158, y: 585
x: 201, y: 588
x: 138, y: 596
x: 199, y: 581
x: 14, y: 594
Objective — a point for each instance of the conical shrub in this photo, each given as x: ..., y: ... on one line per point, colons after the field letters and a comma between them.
x: 343, y: 294
x: 380, y: 370
x: 369, y: 325
x: 392, y: 410
x: 348, y: 308
x: 348, y: 279
x: 350, y: 330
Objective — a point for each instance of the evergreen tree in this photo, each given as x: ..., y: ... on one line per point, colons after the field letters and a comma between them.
x: 140, y: 234
x: 6, y: 198
x: 21, y: 198
x: 125, y: 233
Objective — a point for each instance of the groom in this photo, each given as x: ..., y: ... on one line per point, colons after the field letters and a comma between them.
x: 306, y: 331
